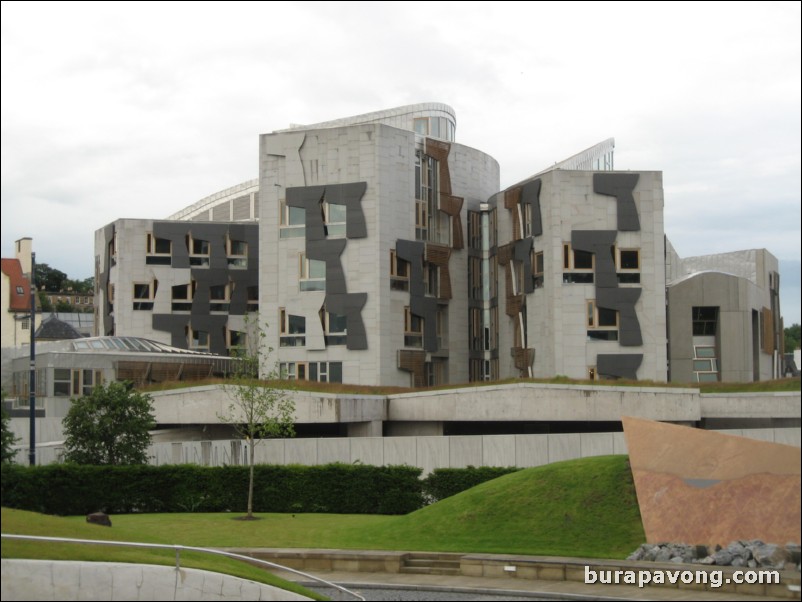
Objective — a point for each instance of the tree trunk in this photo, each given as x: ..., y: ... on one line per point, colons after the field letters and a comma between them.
x: 251, y: 443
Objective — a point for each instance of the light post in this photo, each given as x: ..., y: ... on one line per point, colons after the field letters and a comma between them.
x: 32, y: 382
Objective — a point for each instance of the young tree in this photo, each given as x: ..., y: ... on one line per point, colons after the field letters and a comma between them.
x: 257, y: 409
x: 109, y: 426
x: 792, y: 338
x: 8, y: 438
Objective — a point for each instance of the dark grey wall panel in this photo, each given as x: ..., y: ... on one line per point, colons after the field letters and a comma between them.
x: 311, y: 197
x: 107, y: 325
x: 174, y: 324
x: 350, y: 305
x: 424, y: 307
x: 217, y: 274
x: 350, y: 195
x: 522, y: 252
x: 530, y: 195
x: 623, y: 301
x: 330, y: 251
x: 321, y: 248
x: 619, y: 365
x: 608, y: 293
x: 412, y: 251
x: 620, y: 185
x: 599, y: 243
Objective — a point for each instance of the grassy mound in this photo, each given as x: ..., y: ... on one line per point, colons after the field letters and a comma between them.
x: 581, y: 507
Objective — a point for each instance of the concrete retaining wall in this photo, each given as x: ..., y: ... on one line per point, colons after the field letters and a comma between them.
x: 426, y: 452
x: 63, y: 580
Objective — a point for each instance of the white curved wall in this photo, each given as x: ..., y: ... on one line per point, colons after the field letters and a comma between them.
x: 66, y: 580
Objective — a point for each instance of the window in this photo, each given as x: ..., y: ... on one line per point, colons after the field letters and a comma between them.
x: 312, y: 274
x: 429, y: 224
x: 629, y: 259
x: 237, y: 253
x: 431, y: 280
x: 525, y: 218
x: 318, y: 371
x: 421, y: 221
x: 144, y: 293
x: 89, y: 379
x: 220, y: 296
x: 291, y: 329
x: 705, y: 363
x: 475, y: 278
x: 474, y: 230
x: 399, y: 272
x: 198, y: 251
x: 602, y: 323
x: 537, y: 267
x: 442, y: 327
x: 20, y: 290
x: 335, y: 328
x: 705, y: 320
x: 577, y: 265
x: 413, y: 329
x: 253, y: 298
x: 627, y: 263
x: 158, y: 250
x: 181, y: 297
x: 292, y: 221
x: 421, y: 126
x: 198, y: 339
x: 334, y: 220
x: 62, y: 382
x: 26, y: 324
x: 113, y: 250
x: 236, y: 342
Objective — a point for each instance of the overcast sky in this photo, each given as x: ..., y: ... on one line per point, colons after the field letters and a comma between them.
x: 113, y: 110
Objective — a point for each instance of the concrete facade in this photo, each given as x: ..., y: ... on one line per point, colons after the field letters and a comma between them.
x: 185, y: 284
x: 375, y: 175
x: 724, y: 317
x: 581, y: 282
x: 388, y: 256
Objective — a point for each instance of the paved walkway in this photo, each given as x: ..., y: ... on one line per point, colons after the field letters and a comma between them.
x: 528, y: 587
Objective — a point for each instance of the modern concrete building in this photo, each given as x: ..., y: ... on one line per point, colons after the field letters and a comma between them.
x: 386, y: 255
x: 182, y: 283
x: 724, y: 317
x: 362, y: 267
x: 581, y: 285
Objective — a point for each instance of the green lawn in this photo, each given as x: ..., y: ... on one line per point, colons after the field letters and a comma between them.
x: 582, y: 507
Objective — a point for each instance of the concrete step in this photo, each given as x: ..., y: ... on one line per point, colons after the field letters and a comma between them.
x: 431, y: 564
x: 427, y: 570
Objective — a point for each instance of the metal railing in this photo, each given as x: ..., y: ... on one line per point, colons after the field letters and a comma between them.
x: 178, y: 548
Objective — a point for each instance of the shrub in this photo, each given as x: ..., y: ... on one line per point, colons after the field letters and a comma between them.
x: 68, y: 489
x: 445, y: 482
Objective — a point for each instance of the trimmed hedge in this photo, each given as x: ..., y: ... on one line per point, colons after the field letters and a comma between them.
x: 69, y: 489
x: 445, y: 482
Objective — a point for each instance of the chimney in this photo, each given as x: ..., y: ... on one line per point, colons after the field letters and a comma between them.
x: 24, y: 247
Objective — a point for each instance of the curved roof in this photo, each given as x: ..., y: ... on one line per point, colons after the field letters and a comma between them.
x: 388, y: 116
x: 130, y: 344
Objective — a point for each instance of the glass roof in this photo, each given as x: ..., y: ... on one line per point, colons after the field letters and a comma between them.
x: 136, y: 344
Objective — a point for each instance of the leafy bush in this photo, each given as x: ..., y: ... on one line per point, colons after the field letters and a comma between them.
x: 66, y: 489
x: 445, y: 482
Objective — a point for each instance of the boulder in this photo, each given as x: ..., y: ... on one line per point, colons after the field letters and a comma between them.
x: 99, y: 518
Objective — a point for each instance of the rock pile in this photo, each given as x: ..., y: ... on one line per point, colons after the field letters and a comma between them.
x: 751, y: 554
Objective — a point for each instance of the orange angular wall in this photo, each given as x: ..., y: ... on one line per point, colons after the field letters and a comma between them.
x: 702, y: 487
